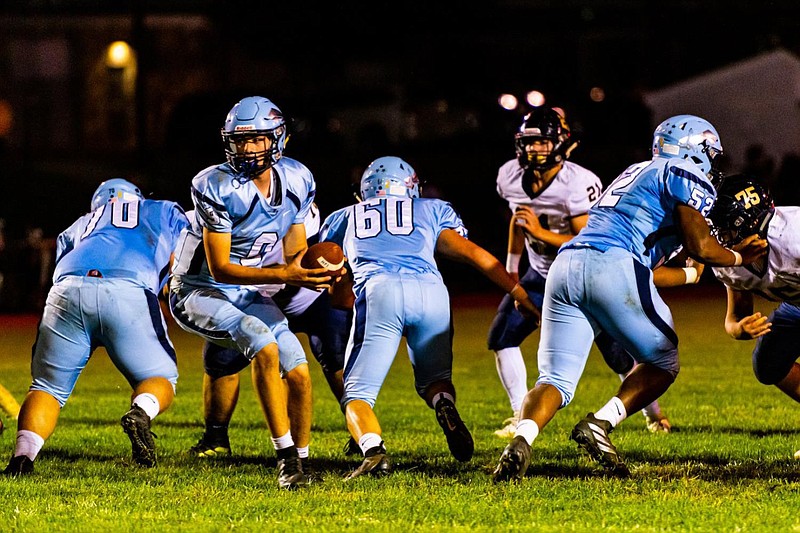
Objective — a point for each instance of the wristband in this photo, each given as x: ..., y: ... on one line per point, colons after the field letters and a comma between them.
x: 512, y: 262
x: 691, y: 275
x: 518, y: 292
x: 737, y: 258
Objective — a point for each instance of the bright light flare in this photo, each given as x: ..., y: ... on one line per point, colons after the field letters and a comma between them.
x: 118, y: 55
x: 535, y: 98
x: 597, y: 94
x: 508, y: 102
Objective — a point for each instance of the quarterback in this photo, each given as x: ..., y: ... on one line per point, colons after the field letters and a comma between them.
x: 242, y: 209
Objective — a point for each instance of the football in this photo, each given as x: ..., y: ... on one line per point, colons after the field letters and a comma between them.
x: 327, y: 255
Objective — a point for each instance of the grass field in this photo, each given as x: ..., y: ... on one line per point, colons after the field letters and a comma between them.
x: 729, y: 467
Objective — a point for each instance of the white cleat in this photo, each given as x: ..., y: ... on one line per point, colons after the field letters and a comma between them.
x: 509, y: 427
x: 658, y: 424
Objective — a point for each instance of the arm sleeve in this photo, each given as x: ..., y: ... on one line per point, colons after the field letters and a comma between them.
x: 686, y: 187
x: 334, y: 227
x: 210, y: 210
x: 447, y: 218
x: 176, y: 220
x: 307, y: 201
x: 580, y: 198
x: 65, y: 242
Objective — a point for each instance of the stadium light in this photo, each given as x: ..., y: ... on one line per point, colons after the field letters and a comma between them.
x: 508, y: 101
x: 535, y: 98
x: 118, y: 55
x: 597, y: 94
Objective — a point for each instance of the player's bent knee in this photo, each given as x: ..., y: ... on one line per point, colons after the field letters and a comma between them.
x: 566, y: 391
x: 770, y: 375
x: 299, y: 375
x: 346, y: 400
x: 61, y: 396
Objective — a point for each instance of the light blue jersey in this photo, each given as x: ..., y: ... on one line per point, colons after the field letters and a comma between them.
x: 110, y: 264
x: 131, y: 240
x: 602, y: 280
x: 391, y: 235
x: 390, y: 244
x: 636, y: 211
x: 238, y: 316
x: 225, y: 204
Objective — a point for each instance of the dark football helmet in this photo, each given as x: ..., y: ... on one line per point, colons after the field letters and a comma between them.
x: 543, y: 123
x: 254, y: 119
x: 743, y: 207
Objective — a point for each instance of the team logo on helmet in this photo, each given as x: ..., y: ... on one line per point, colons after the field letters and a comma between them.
x: 743, y: 207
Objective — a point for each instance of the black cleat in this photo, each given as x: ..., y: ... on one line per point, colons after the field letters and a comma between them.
x: 290, y: 470
x: 375, y: 463
x: 351, y: 447
x: 514, y: 461
x: 20, y: 465
x: 458, y: 436
x: 591, y: 434
x: 211, y: 448
x: 311, y: 475
x: 136, y: 424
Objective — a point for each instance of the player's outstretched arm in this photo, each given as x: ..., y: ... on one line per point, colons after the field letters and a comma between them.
x: 740, y: 321
x: 453, y: 246
x: 669, y: 276
x: 702, y: 246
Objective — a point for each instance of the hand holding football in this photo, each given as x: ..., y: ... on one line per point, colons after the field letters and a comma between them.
x: 328, y: 255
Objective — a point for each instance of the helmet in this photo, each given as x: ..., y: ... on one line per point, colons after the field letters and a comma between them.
x: 116, y: 188
x: 254, y: 118
x: 743, y: 207
x: 689, y: 137
x: 389, y: 176
x: 543, y: 123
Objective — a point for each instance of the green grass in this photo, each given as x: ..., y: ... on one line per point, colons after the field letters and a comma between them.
x: 729, y: 467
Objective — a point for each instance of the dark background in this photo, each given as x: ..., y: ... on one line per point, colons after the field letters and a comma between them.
x: 417, y: 79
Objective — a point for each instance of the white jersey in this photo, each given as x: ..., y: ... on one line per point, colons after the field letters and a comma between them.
x: 570, y: 194
x: 780, y: 279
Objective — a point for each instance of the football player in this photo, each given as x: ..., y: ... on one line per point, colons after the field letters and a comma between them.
x: 242, y: 209
x: 549, y: 198
x: 390, y: 238
x: 307, y: 311
x: 110, y: 265
x: 602, y: 280
x: 744, y: 212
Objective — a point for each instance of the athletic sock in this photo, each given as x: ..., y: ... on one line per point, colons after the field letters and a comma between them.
x: 302, y: 452
x: 285, y: 441
x: 149, y: 403
x: 442, y: 396
x: 513, y: 375
x: 28, y: 444
x: 369, y: 441
x: 614, y: 412
x: 528, y: 430
x: 216, y: 432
